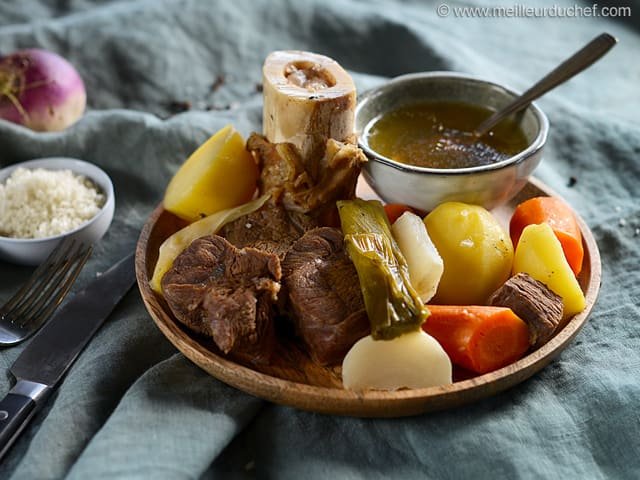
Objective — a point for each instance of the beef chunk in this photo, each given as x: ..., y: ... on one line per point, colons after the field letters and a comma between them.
x: 309, y: 184
x: 324, y: 293
x: 534, y: 303
x: 272, y: 229
x: 226, y: 293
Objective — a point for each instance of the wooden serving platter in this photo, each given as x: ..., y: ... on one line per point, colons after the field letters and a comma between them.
x: 293, y: 379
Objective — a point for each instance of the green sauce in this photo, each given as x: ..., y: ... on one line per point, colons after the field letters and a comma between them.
x: 438, y: 135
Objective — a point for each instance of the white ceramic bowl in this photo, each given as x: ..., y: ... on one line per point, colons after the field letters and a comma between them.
x: 33, y: 251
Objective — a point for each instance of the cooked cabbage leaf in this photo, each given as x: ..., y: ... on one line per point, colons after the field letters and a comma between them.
x: 176, y: 243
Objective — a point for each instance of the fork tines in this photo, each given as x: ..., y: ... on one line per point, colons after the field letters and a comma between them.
x: 36, y: 300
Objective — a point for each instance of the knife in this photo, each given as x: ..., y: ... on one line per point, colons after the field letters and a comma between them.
x: 42, y: 364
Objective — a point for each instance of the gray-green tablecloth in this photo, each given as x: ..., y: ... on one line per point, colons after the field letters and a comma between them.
x: 132, y: 407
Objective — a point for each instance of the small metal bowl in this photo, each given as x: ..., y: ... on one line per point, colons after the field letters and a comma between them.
x: 33, y: 251
x: 425, y: 188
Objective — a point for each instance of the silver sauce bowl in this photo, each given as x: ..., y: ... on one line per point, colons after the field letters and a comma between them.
x: 424, y: 188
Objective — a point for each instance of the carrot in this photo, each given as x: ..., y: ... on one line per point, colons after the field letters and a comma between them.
x: 394, y: 210
x: 560, y: 218
x: 478, y: 338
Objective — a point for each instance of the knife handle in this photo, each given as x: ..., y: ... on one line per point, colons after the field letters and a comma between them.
x: 17, y: 409
x: 14, y: 411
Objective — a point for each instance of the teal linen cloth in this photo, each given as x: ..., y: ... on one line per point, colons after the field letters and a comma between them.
x: 132, y: 407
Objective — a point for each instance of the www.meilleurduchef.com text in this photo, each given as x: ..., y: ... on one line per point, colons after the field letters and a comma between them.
x: 524, y: 11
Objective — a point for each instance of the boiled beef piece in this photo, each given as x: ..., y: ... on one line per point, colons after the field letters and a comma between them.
x: 309, y: 184
x: 271, y: 228
x: 533, y: 302
x: 324, y: 294
x: 228, y: 294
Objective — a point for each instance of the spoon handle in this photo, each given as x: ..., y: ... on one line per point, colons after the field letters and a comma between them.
x: 580, y: 60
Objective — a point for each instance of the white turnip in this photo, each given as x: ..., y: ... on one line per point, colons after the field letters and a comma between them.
x: 412, y: 360
x: 40, y: 90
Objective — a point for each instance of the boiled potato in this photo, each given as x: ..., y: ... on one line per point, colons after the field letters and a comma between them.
x: 477, y: 253
x: 539, y: 253
x: 412, y: 360
x: 220, y: 174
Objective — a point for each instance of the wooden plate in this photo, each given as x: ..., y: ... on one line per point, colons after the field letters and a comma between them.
x: 294, y: 380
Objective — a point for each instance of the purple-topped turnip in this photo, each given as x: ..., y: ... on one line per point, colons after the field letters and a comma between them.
x: 40, y: 90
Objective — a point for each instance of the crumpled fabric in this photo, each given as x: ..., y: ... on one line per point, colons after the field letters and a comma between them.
x: 133, y: 407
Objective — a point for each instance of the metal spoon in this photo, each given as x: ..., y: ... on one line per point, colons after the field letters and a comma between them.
x: 579, y: 61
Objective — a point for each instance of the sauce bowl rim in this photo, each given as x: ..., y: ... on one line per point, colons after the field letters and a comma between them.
x: 536, y: 145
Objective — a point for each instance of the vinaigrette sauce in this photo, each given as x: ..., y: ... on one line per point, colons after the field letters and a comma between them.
x: 438, y: 135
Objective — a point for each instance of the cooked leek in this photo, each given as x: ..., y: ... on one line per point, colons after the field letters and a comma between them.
x: 392, y: 304
x: 425, y: 264
x: 176, y: 243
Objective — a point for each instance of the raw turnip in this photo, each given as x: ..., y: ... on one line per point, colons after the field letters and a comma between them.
x: 424, y: 261
x: 412, y: 360
x: 40, y: 90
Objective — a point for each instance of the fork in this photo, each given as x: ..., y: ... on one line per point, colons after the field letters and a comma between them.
x: 38, y: 298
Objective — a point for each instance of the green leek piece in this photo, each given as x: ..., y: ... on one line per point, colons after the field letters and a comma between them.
x: 392, y: 304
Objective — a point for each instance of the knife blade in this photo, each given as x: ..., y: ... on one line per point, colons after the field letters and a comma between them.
x: 43, y: 363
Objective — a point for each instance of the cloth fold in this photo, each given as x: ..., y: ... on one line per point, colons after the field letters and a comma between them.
x: 201, y: 419
x: 132, y: 407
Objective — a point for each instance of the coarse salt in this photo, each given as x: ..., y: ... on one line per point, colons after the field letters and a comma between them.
x: 37, y: 203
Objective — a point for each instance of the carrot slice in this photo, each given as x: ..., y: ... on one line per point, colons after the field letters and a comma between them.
x: 394, y: 210
x: 562, y: 220
x: 478, y: 338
